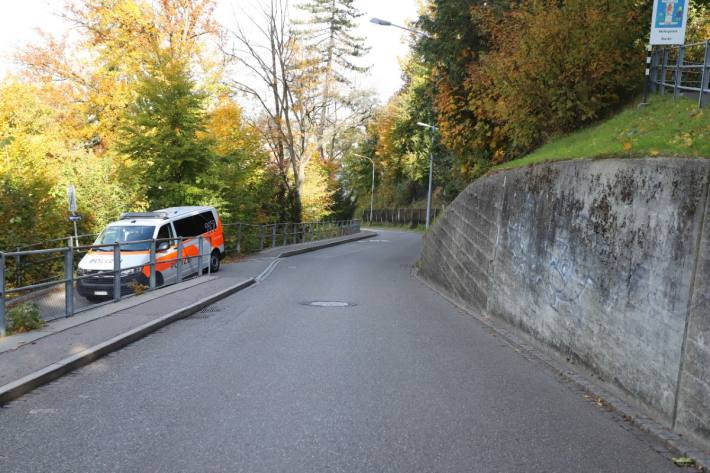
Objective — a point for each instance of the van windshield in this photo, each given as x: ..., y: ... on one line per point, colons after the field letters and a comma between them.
x: 123, y: 234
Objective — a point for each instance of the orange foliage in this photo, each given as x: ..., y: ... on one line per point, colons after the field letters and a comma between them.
x: 553, y: 67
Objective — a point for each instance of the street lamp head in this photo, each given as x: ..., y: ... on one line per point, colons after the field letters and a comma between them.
x: 378, y: 21
x: 426, y: 125
x: 363, y: 157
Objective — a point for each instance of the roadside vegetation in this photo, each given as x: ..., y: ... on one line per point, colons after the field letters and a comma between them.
x: 393, y: 226
x: 664, y: 127
x: 514, y: 83
x: 156, y: 103
x: 144, y: 105
x: 23, y: 318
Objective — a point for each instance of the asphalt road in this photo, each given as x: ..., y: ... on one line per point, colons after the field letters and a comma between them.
x: 399, y: 382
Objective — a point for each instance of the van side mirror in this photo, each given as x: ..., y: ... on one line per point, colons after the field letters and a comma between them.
x: 163, y: 246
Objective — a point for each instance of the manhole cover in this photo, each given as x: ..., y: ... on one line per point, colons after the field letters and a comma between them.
x: 329, y: 304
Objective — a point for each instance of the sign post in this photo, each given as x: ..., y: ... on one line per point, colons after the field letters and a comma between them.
x: 71, y: 198
x: 668, y: 23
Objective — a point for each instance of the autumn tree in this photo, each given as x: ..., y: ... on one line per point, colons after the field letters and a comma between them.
x: 161, y: 136
x: 241, y: 170
x: 284, y: 92
x: 552, y: 68
x: 38, y: 159
x: 334, y: 51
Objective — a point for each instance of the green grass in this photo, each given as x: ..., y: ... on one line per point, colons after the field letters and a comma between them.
x: 664, y: 127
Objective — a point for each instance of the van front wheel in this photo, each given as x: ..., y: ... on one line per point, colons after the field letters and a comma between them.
x: 214, y: 261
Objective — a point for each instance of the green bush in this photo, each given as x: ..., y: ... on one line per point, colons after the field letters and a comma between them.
x: 24, y: 318
x: 555, y: 66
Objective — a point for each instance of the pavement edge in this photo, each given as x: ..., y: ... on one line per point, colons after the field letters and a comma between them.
x: 26, y: 384
x: 627, y: 411
x: 300, y: 251
x: 14, y: 390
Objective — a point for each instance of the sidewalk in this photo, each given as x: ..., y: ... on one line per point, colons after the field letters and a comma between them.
x: 32, y: 359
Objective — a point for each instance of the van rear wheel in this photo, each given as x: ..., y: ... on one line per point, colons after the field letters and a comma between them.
x: 214, y: 261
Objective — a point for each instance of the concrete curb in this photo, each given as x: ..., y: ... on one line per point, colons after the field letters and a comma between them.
x: 300, y: 251
x: 269, y: 269
x: 14, y: 390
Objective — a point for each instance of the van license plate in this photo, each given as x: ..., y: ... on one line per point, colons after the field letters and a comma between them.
x: 100, y: 293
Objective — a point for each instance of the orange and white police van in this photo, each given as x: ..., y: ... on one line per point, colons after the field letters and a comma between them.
x: 166, y: 226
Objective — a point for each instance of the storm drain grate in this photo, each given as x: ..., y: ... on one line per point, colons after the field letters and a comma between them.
x: 210, y: 310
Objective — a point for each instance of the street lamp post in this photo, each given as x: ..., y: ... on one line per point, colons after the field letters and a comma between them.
x: 432, y: 128
x: 372, y: 191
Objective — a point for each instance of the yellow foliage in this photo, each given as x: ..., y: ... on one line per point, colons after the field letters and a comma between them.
x: 316, y: 198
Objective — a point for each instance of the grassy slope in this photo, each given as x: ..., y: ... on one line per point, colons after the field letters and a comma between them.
x: 662, y: 128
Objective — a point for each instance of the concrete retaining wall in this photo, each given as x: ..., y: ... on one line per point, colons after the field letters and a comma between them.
x: 606, y: 261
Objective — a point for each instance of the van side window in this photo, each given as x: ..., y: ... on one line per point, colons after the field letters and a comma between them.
x: 164, y: 232
x: 195, y: 225
x: 185, y: 227
x: 208, y: 221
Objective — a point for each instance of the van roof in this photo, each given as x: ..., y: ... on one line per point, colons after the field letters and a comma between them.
x: 158, y: 216
x: 173, y: 212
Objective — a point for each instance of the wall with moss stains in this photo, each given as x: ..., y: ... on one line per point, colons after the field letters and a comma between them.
x: 606, y: 261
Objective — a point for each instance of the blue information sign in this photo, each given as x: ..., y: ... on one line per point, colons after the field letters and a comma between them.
x: 670, y: 13
x: 669, y: 21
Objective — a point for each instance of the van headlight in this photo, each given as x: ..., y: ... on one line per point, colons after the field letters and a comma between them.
x: 128, y: 272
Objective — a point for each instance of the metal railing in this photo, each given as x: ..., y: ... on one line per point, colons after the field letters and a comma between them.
x: 678, y: 69
x: 246, y: 238
x: 50, y: 277
x: 411, y: 217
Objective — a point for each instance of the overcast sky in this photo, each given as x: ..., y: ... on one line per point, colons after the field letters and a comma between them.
x: 19, y: 19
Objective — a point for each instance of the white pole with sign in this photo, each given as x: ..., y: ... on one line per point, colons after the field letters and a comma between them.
x: 668, y: 22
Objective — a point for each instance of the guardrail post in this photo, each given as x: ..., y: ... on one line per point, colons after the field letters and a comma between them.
x: 664, y: 68
x: 273, y: 236
x: 2, y: 295
x: 199, y: 256
x: 151, y: 279
x: 678, y: 72
x: 18, y: 271
x: 179, y: 260
x: 116, y: 271
x: 303, y: 232
x: 239, y: 238
x: 69, y: 281
x: 319, y: 224
x: 654, y: 71
x: 261, y: 237
x: 285, y: 234
x: 705, y: 81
